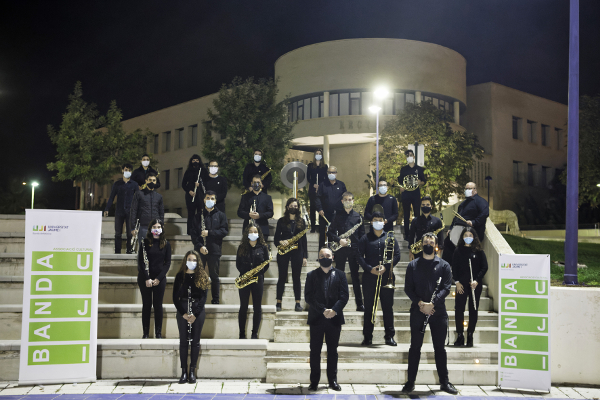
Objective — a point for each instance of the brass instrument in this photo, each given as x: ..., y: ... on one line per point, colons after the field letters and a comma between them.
x: 145, y: 185
x: 134, y: 238
x: 199, y: 180
x: 417, y: 247
x: 388, y: 258
x: 410, y: 182
x: 262, y: 178
x: 377, y: 290
x: 346, y: 235
x: 457, y: 215
x: 293, y: 242
x: 252, y: 210
x: 250, y: 277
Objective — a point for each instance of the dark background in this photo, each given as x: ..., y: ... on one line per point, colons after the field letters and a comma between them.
x: 148, y: 55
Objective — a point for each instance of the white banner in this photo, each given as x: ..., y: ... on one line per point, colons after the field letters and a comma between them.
x: 60, y: 296
x: 524, y: 331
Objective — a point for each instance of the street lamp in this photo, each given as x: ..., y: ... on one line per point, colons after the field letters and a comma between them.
x: 376, y: 109
x: 33, y: 186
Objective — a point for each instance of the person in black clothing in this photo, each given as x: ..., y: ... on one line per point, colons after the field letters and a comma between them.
x: 257, y: 167
x: 410, y: 198
x: 154, y: 261
x: 253, y: 251
x: 124, y: 189
x: 290, y: 225
x: 140, y: 175
x: 371, y: 250
x: 328, y: 201
x: 423, y: 224
x: 208, y: 230
x: 468, y: 248
x: 419, y: 285
x: 261, y: 203
x: 316, y: 172
x: 326, y: 292
x: 193, y: 185
x: 146, y: 206
x: 389, y: 204
x: 189, y: 289
x: 217, y: 183
x: 342, y: 223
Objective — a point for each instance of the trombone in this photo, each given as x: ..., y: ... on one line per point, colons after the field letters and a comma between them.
x: 387, y: 251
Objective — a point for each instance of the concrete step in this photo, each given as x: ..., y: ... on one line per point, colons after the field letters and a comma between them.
x: 124, y: 321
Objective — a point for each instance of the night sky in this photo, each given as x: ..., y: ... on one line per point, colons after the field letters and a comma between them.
x: 148, y: 55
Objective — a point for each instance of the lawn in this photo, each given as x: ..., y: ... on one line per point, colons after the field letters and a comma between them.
x: 589, y: 254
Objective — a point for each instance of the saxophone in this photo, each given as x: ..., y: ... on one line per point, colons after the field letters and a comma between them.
x: 410, y: 183
x: 250, y: 277
x: 346, y: 235
x: 293, y: 242
x: 417, y: 247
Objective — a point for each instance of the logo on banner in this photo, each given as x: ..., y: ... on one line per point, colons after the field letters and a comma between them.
x: 512, y: 266
x: 45, y: 229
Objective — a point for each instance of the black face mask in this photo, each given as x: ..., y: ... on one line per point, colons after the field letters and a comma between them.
x: 294, y: 211
x: 426, y: 210
x: 195, y: 165
x: 428, y: 249
x: 325, y: 262
x: 256, y: 186
x: 151, y: 185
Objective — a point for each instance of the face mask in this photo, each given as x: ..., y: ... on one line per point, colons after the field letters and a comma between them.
x: 210, y: 204
x: 145, y: 163
x: 195, y: 164
x: 378, y: 225
x: 256, y: 186
x: 468, y: 240
x: 318, y: 157
x: 410, y: 160
x: 191, y: 265
x: 468, y: 192
x: 426, y: 210
x: 331, y: 177
x: 325, y: 262
x: 294, y: 211
x: 253, y: 237
x: 382, y: 189
x: 157, y: 232
x: 127, y: 174
x: 151, y: 185
x: 213, y: 170
x: 257, y: 158
x: 428, y: 249
x: 348, y: 204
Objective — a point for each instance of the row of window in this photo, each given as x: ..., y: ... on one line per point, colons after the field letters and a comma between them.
x: 532, y: 134
x: 166, y: 141
x: 356, y: 103
x: 533, y: 174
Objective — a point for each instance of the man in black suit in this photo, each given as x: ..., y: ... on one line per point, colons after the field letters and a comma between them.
x: 326, y: 292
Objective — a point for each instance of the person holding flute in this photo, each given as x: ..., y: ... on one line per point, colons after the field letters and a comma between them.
x: 193, y: 185
x: 316, y: 172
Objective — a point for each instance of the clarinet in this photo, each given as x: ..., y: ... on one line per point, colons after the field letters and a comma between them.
x: 432, y: 298
x: 189, y: 335
x: 472, y: 290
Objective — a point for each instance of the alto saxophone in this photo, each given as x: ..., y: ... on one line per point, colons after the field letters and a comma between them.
x: 250, y: 277
x: 293, y: 242
x: 417, y: 247
x: 346, y: 235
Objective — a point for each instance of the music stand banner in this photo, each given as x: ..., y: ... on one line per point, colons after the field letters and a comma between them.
x: 524, y: 322
x: 60, y: 296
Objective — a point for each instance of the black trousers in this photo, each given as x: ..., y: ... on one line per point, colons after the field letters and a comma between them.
x: 152, y: 297
x: 295, y: 256
x: 119, y: 219
x: 459, y: 308
x: 193, y: 208
x: 407, y: 202
x: 182, y: 324
x: 257, y: 291
x: 341, y: 256
x: 386, y: 305
x: 324, y: 327
x: 322, y: 226
x: 439, y: 326
x: 313, y: 209
x: 214, y: 263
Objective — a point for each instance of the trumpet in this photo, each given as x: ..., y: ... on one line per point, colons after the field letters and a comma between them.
x: 253, y: 210
x: 134, y: 238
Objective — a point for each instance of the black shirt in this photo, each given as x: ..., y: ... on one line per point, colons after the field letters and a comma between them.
x: 329, y: 197
x: 342, y: 223
x: 140, y: 174
x: 256, y: 256
x: 264, y: 208
x: 460, y: 265
x: 287, y: 229
x: 159, y: 260
x: 390, y: 209
x: 218, y: 185
x: 124, y: 192
x: 414, y: 170
x: 474, y: 209
x: 183, y: 281
x: 312, y: 172
x: 422, y: 225
x: 251, y: 170
x: 190, y: 177
x: 216, y: 224
x: 370, y: 254
x: 326, y: 291
x: 420, y: 283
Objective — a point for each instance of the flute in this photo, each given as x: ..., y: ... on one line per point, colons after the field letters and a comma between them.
x: 472, y: 290
x: 199, y: 180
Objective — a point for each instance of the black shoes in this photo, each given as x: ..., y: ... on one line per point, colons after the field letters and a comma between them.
x: 214, y: 301
x: 360, y: 308
x: 184, y: 377
x: 460, y: 340
x: 145, y: 335
x: 192, y: 377
x: 334, y: 385
x: 298, y: 308
x: 447, y: 387
x: 470, y: 339
x: 242, y: 336
x: 158, y: 335
x: 367, y: 342
x: 391, y: 342
x: 278, y: 306
x: 254, y: 336
x: 408, y: 387
x: 313, y: 386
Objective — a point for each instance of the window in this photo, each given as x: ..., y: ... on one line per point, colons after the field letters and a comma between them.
x: 546, y: 177
x: 545, y: 135
x: 334, y: 105
x: 167, y: 179
x: 399, y: 106
x: 179, y: 136
x: 517, y: 172
x: 410, y: 98
x: 193, y: 130
x: 531, y: 131
x: 179, y: 177
x: 322, y: 105
x: 558, y: 138
x: 366, y: 102
x: 517, y: 128
x: 315, y: 107
x: 344, y: 103
x: 301, y: 109
x: 155, y: 144
x: 388, y: 106
x: 167, y: 141
x: 355, y: 103
x: 295, y: 111
x: 530, y: 174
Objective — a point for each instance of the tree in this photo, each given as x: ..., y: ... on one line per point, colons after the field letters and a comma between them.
x: 16, y: 197
x: 246, y: 116
x: 448, y: 153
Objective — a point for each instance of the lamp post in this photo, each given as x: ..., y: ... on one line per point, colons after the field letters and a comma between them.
x: 33, y: 186
x: 380, y: 93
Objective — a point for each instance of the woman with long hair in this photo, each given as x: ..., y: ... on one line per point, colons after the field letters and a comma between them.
x: 190, y: 184
x: 289, y: 226
x: 316, y: 173
x: 469, y: 248
x: 189, y: 294
x: 252, y: 252
x: 154, y: 261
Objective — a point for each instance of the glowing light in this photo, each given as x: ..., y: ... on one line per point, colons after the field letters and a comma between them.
x: 465, y: 323
x: 381, y: 93
x: 374, y: 109
x: 453, y: 293
x: 477, y: 361
x: 34, y: 184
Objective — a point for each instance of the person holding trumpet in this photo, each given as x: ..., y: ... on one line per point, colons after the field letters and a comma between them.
x: 371, y: 252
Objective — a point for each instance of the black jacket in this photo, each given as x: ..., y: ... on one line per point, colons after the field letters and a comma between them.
x: 370, y: 254
x: 329, y: 197
x: 159, y: 260
x: 312, y: 171
x: 190, y: 176
x: 146, y: 205
x: 258, y: 255
x: 124, y: 192
x: 415, y: 170
x: 474, y: 209
x: 139, y: 176
x: 422, y: 225
x: 219, y: 186
x: 390, y: 209
x: 326, y: 291
x: 264, y: 208
x: 184, y: 281
x: 217, y: 227
x: 420, y: 282
x: 286, y: 230
x: 251, y: 170
x: 460, y: 265
x: 342, y: 223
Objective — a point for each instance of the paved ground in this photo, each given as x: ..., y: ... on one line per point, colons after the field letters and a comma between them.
x: 158, y: 389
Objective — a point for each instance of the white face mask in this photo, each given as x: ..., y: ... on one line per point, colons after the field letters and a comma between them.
x: 253, y: 237
x: 410, y: 160
x: 127, y: 174
x: 468, y: 192
x: 156, y: 232
x: 145, y: 163
x: 382, y: 189
x: 378, y: 225
x: 191, y: 265
x: 318, y: 157
x: 331, y: 177
x: 213, y: 170
x: 210, y: 204
x: 257, y: 158
x: 348, y: 204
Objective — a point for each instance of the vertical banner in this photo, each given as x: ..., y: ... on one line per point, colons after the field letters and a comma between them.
x: 60, y: 296
x: 524, y: 334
